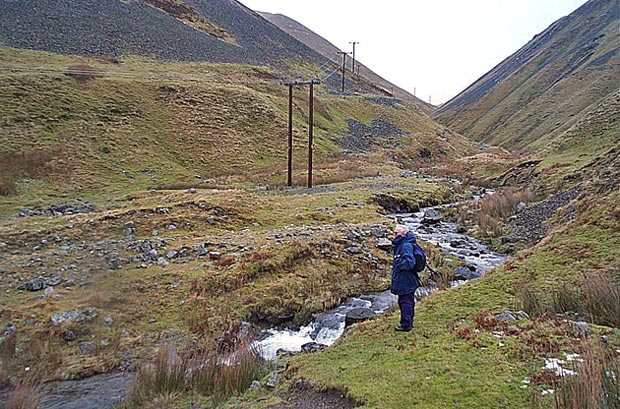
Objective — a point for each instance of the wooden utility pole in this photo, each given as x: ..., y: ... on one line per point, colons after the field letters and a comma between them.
x: 310, y: 128
x: 290, y: 135
x: 353, y: 62
x: 344, y: 62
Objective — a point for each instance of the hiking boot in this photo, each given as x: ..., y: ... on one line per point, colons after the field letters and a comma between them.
x: 402, y: 329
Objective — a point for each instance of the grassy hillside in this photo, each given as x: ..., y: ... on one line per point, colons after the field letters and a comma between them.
x: 147, y: 124
x: 535, y: 96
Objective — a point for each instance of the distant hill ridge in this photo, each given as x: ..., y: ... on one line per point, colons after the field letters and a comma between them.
x: 534, y: 96
x: 195, y: 30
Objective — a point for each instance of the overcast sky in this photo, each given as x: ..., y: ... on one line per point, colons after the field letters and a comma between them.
x: 435, y: 48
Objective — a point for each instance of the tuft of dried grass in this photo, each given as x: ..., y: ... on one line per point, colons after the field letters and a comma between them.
x: 165, y: 376
x: 601, y: 298
x: 566, y: 299
x: 218, y: 374
x: 16, y: 165
x: 596, y: 383
x: 7, y: 348
x: 490, y: 213
x: 24, y: 396
x: 598, y: 296
x: 225, y: 374
x: 533, y: 303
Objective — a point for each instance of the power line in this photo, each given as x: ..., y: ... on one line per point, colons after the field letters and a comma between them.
x: 170, y: 76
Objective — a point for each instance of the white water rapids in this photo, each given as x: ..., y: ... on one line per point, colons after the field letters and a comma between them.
x: 328, y: 326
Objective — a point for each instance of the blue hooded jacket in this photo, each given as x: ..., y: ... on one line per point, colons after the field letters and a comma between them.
x: 404, y: 280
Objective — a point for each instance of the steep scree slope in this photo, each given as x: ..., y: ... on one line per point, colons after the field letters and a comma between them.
x: 543, y: 89
x: 114, y: 28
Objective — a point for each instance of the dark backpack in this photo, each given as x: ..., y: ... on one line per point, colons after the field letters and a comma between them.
x: 420, y: 258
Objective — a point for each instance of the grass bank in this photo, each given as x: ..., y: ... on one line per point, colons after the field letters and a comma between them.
x: 460, y: 354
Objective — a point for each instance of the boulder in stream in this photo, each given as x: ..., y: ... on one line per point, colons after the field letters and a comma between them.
x: 358, y: 315
x: 311, y: 347
x: 465, y: 273
x: 431, y: 216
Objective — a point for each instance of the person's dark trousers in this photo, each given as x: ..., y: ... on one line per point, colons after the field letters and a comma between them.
x: 406, y: 303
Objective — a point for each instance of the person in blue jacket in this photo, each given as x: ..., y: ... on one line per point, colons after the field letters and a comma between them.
x: 404, y: 280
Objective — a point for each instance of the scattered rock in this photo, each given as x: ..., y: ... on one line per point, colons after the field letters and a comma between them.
x: 431, y: 216
x: 581, y: 327
x: 53, y: 282
x: 311, y: 347
x: 57, y: 210
x: 69, y: 336
x: 35, y: 285
x: 512, y: 316
x: 130, y: 229
x: 9, y: 329
x: 162, y: 262
x: 358, y: 315
x: 273, y: 381
x: 378, y: 232
x: 88, y: 315
x: 353, y: 250
x: 384, y: 244
x: 215, y: 255
x: 529, y: 224
x: 390, y: 204
x: 58, y: 318
x: 465, y: 273
x: 87, y: 348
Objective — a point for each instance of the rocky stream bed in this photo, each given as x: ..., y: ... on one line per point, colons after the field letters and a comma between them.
x: 54, y: 270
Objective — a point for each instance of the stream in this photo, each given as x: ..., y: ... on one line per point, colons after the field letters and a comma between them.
x: 328, y: 326
x: 107, y: 390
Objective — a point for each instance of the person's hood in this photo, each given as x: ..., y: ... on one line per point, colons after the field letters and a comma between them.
x: 408, y: 238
